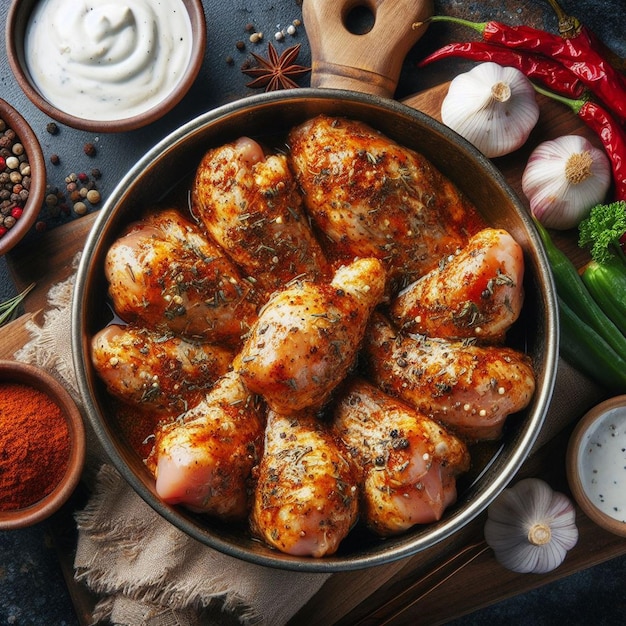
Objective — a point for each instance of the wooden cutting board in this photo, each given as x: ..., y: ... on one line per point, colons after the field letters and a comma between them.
x: 451, y: 579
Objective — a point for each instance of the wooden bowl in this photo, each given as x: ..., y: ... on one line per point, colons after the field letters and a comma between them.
x: 596, y: 464
x: 18, y: 21
x: 25, y: 374
x: 37, y: 191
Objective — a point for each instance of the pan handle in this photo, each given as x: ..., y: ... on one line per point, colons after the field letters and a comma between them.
x: 369, y: 62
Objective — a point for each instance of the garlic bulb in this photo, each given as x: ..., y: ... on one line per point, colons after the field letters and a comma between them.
x: 494, y: 107
x: 530, y: 527
x: 563, y: 179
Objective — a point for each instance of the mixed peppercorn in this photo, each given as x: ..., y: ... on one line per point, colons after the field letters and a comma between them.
x: 80, y: 192
x: 14, y: 178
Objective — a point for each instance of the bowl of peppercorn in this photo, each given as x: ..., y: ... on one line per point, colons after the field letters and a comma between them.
x: 42, y: 439
x: 22, y: 177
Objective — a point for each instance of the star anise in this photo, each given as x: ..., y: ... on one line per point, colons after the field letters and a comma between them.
x: 276, y: 72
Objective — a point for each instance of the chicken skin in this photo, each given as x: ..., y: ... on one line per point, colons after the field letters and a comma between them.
x: 308, y: 335
x: 372, y: 197
x: 306, y: 498
x: 165, y: 274
x: 162, y: 372
x: 204, y: 460
x: 409, y: 462
x: 250, y: 205
x: 475, y: 293
x: 469, y: 388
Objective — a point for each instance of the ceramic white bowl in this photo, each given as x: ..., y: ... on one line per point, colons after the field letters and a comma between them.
x: 596, y: 464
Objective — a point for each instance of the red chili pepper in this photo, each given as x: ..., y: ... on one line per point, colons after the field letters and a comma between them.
x: 609, y: 131
x: 570, y: 27
x: 535, y: 66
x: 576, y: 54
x: 613, y: 138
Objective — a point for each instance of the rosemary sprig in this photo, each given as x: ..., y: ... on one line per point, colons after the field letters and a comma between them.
x: 9, y: 307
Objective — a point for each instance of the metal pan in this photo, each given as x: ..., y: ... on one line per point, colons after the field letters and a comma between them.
x: 166, y: 169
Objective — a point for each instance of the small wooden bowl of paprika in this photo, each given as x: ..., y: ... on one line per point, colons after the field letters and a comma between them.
x: 42, y: 445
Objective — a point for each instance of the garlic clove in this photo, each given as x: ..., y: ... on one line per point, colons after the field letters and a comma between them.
x: 563, y: 179
x: 530, y: 527
x: 493, y: 107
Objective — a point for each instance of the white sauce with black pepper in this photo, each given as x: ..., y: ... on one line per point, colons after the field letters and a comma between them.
x: 107, y: 59
x: 602, y: 464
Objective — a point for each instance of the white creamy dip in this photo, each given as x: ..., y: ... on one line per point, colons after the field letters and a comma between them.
x: 602, y: 464
x: 107, y: 59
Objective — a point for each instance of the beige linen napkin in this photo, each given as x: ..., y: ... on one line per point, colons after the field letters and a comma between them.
x: 147, y: 572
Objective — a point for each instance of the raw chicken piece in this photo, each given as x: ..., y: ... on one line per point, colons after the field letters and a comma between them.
x: 477, y: 292
x: 178, y: 229
x: 372, y: 197
x: 204, y: 460
x: 165, y: 274
x: 409, y: 462
x: 469, y: 388
x: 306, y: 498
x: 307, y: 337
x: 251, y: 207
x: 155, y: 370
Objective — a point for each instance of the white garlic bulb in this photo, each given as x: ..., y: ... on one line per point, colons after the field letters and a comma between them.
x: 564, y: 178
x: 530, y: 527
x: 494, y: 107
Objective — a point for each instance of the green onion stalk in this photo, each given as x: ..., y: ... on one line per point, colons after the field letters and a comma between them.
x: 589, y: 339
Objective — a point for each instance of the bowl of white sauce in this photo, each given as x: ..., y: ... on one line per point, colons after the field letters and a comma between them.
x: 596, y: 464
x: 106, y: 65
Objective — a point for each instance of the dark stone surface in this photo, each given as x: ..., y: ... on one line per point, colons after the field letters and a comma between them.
x: 32, y: 591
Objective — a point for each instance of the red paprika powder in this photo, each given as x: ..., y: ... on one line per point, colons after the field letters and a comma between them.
x: 34, y: 445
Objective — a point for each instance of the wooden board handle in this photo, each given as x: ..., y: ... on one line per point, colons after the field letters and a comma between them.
x: 369, y: 62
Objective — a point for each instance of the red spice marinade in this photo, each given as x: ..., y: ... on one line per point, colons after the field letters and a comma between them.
x: 34, y: 445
